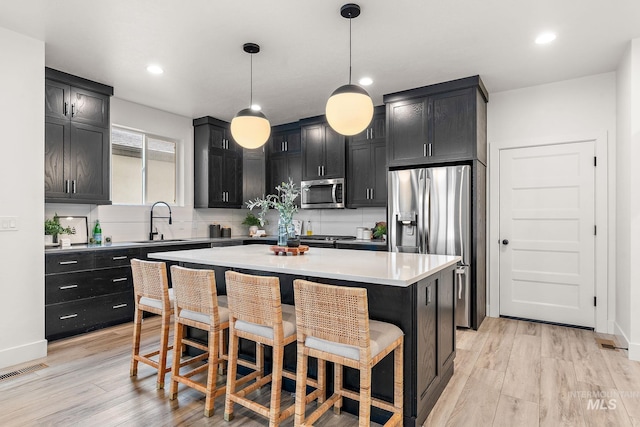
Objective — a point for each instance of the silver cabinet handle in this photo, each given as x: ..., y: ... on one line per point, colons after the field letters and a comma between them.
x: 286, y: 146
x: 430, y: 150
x: 372, y: 196
x: 68, y: 262
x: 68, y: 316
x: 73, y: 186
x: 66, y: 105
x: 371, y: 133
x: 367, y: 134
x: 319, y: 173
x: 282, y: 146
x: 424, y: 150
x: 116, y: 258
x: 73, y: 110
x: 62, y: 288
x: 66, y: 186
x: 119, y: 279
x: 323, y: 172
x: 119, y: 306
x: 367, y: 196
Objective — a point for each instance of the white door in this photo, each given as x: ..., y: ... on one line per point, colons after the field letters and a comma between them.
x: 547, y: 226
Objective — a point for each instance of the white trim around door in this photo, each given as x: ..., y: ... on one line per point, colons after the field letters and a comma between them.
x: 603, y: 291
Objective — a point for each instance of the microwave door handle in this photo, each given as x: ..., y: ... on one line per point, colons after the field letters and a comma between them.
x: 334, y: 188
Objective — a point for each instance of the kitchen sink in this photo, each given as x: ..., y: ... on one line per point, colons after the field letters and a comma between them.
x: 161, y: 241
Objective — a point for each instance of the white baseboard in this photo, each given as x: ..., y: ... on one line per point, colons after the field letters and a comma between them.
x: 634, y: 348
x: 24, y: 353
x: 634, y: 351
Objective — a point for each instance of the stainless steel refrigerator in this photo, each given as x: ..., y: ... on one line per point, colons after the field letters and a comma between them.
x: 430, y: 213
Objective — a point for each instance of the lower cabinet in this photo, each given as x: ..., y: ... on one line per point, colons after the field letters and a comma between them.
x: 91, y: 289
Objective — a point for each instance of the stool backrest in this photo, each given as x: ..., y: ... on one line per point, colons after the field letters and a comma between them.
x: 195, y: 290
x: 333, y: 313
x: 150, y: 280
x: 254, y: 299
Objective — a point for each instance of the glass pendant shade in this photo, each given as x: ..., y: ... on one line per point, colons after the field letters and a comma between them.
x: 349, y: 110
x: 250, y: 129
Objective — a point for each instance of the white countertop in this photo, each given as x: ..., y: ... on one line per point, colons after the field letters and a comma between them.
x: 385, y: 268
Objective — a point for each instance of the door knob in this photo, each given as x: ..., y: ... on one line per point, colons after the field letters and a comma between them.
x: 505, y: 242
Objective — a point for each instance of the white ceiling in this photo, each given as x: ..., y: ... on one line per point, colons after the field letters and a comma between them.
x: 401, y: 44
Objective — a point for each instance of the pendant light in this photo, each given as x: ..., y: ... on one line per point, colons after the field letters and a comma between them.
x: 250, y: 128
x: 349, y: 109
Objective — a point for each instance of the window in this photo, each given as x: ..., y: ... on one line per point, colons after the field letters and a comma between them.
x: 143, y: 168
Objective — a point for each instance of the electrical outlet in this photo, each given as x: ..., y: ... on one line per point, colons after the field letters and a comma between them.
x: 8, y: 223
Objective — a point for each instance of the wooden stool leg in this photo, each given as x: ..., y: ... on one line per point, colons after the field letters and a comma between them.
x: 276, y: 385
x: 301, y: 386
x: 212, y: 374
x: 231, y: 375
x: 164, y: 343
x: 260, y: 360
x: 398, y: 378
x: 135, y: 348
x: 365, y: 396
x: 337, y: 387
x: 177, y: 350
x: 322, y: 380
x: 221, y: 346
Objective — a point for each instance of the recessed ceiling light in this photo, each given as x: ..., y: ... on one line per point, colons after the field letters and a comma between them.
x: 365, y: 81
x: 545, y: 38
x: 155, y: 69
x: 256, y: 107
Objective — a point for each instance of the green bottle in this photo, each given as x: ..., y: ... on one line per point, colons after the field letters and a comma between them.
x: 97, y: 233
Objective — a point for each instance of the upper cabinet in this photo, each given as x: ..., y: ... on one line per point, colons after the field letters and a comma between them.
x: 367, y: 165
x: 323, y: 150
x: 253, y: 173
x: 440, y: 123
x: 217, y: 165
x: 284, y: 157
x: 77, y: 162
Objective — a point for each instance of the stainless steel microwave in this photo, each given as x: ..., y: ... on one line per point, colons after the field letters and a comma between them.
x: 322, y: 194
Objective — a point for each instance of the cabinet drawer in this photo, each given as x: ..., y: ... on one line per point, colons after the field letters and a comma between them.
x: 69, y: 287
x: 85, y: 315
x: 116, y: 258
x: 63, y: 262
x: 113, y: 280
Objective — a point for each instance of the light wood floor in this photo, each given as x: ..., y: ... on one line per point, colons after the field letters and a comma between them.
x: 509, y: 373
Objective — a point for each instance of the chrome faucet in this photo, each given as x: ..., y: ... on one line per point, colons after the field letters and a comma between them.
x: 155, y: 233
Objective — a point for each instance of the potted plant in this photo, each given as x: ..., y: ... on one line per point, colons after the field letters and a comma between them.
x: 285, y: 203
x: 380, y: 230
x: 52, y: 228
x: 253, y: 222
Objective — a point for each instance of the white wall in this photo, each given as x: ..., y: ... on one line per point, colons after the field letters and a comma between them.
x: 628, y: 199
x: 22, y: 196
x: 558, y: 111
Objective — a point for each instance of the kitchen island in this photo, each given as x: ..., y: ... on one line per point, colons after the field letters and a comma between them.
x: 413, y: 291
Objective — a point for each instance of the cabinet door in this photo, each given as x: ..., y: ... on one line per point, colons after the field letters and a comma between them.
x: 453, y: 136
x: 359, y: 184
x: 379, y: 173
x: 294, y: 169
x: 278, y: 172
x: 57, y: 137
x: 446, y: 318
x: 89, y: 107
x: 426, y: 329
x: 89, y: 156
x: 408, y: 131
x: 56, y: 99
x: 276, y: 143
x: 253, y: 174
x: 292, y: 141
x: 216, y: 160
x: 334, y: 153
x: 378, y: 127
x: 312, y: 151
x: 232, y: 179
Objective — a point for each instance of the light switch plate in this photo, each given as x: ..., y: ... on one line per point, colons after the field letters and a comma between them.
x: 8, y: 223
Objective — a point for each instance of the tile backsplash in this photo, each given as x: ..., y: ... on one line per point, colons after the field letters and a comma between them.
x: 130, y: 223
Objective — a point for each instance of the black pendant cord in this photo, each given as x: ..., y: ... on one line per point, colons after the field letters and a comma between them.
x: 349, y: 50
x: 251, y: 85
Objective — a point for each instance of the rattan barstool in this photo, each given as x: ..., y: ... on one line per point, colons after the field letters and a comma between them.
x: 197, y: 305
x: 151, y: 294
x: 257, y: 314
x: 333, y: 324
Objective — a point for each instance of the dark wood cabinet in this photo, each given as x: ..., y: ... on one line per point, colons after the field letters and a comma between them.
x: 253, y: 174
x: 440, y: 123
x: 284, y: 159
x: 217, y: 165
x: 77, y: 143
x: 435, y: 338
x: 323, y: 151
x: 367, y: 165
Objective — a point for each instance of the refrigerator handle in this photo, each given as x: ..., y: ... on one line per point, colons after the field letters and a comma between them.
x: 426, y: 209
x: 420, y: 221
x: 460, y: 272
